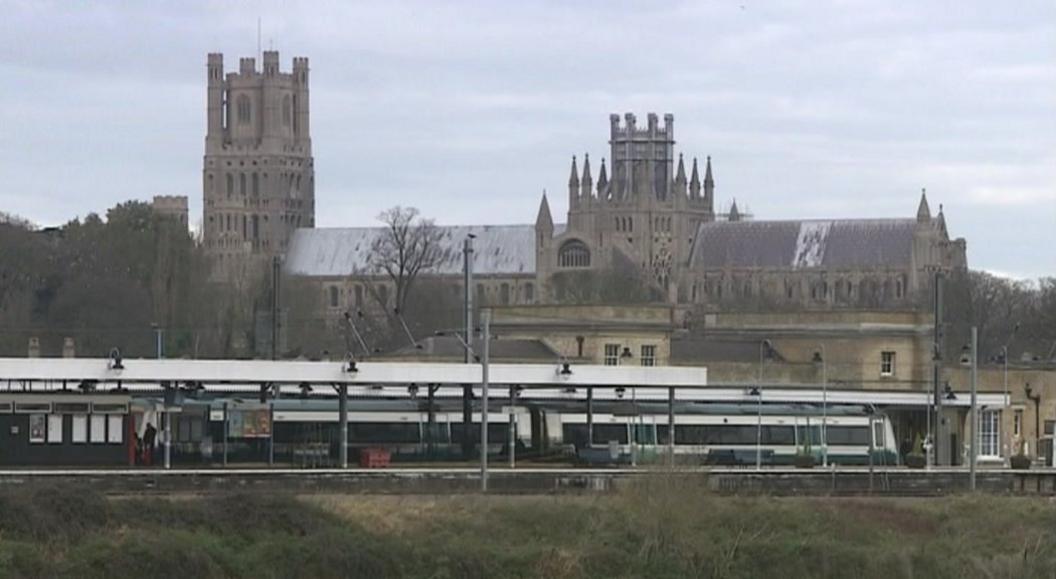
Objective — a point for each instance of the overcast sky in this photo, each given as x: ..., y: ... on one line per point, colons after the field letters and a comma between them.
x: 469, y: 110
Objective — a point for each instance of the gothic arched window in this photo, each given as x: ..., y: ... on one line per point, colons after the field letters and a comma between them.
x: 504, y: 294
x: 243, y: 110
x: 242, y: 183
x: 256, y: 184
x: 230, y: 184
x: 574, y: 253
x: 286, y: 111
x: 529, y: 293
x: 333, y: 296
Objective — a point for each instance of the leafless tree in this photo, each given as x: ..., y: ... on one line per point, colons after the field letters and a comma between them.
x: 409, y: 246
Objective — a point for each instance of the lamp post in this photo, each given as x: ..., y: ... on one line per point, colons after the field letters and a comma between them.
x: 1004, y: 362
x: 158, y: 341
x: 822, y: 357
x: 970, y: 358
x: 758, y: 393
x: 485, y: 320
x: 467, y: 312
x: 1036, y: 399
x: 765, y: 351
x: 485, y: 362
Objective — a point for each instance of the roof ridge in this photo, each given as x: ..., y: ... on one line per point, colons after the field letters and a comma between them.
x: 814, y: 220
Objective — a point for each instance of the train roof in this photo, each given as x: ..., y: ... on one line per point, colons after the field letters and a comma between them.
x: 624, y: 407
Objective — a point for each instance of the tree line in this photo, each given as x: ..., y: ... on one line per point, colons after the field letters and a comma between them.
x: 109, y: 282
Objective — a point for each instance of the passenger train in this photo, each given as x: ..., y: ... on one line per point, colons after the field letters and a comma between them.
x: 619, y: 432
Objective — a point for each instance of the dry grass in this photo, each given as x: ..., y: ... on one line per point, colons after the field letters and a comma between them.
x: 661, y: 527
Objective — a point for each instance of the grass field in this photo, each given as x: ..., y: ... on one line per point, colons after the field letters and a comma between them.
x: 666, y: 528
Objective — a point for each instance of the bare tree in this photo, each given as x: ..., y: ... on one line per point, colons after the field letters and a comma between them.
x: 408, y: 246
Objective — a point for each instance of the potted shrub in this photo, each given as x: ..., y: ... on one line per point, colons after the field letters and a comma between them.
x: 1020, y: 460
x: 916, y: 458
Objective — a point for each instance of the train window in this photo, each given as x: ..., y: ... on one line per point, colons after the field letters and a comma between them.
x: 809, y: 435
x: 436, y: 432
x: 878, y: 435
x: 690, y: 434
x: 778, y: 435
x: 5, y: 407
x: 848, y: 435
x: 497, y: 432
x: 661, y: 433
x: 644, y: 434
x: 384, y: 432
x: 741, y: 435
x: 574, y: 434
x: 458, y: 429
x: 603, y: 433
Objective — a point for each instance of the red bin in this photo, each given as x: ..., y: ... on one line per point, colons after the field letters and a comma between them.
x: 374, y: 458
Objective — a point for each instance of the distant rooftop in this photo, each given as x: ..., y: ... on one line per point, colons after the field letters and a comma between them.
x: 835, y: 244
x: 333, y: 252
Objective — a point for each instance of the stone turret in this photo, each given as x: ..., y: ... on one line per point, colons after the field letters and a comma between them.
x: 680, y: 178
x: 603, y: 181
x: 694, y: 182
x: 573, y: 185
x: 735, y: 214
x: 543, y: 220
x: 586, y: 187
x: 923, y: 211
x: 709, y: 186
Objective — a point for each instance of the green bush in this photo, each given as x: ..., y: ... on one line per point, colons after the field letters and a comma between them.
x: 661, y: 526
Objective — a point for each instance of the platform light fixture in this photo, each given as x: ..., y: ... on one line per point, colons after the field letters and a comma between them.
x: 115, y: 360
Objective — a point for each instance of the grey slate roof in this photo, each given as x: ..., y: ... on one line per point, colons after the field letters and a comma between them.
x: 828, y: 244
x: 333, y: 252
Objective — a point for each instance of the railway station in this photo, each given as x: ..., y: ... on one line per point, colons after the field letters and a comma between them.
x: 116, y: 412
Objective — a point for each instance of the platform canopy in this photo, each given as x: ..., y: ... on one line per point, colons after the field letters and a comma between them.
x: 55, y: 371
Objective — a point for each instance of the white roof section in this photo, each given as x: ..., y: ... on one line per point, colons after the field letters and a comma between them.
x: 345, y: 251
x: 53, y: 371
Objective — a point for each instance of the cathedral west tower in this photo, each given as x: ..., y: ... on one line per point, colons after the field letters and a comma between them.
x: 258, y: 174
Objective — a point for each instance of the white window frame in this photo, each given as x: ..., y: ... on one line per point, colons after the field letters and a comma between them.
x: 887, y: 363
x: 989, y: 441
x: 54, y: 429
x: 648, y: 357
x: 612, y: 355
x: 98, y: 428
x: 1017, y: 422
x: 79, y: 429
x: 115, y: 428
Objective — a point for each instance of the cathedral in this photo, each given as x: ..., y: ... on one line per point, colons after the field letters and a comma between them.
x: 643, y: 211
